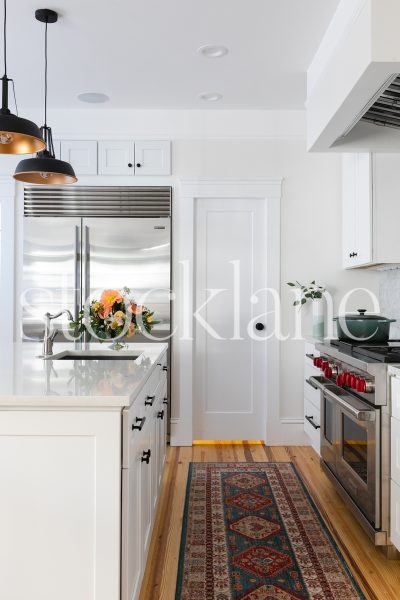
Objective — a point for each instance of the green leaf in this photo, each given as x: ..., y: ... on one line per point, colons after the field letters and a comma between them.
x: 303, y: 301
x: 291, y: 284
x: 313, y: 282
x: 296, y: 303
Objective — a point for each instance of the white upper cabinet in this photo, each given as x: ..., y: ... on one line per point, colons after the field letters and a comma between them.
x: 81, y: 154
x: 127, y: 157
x: 357, y: 210
x: 117, y: 158
x: 152, y: 158
x: 371, y: 209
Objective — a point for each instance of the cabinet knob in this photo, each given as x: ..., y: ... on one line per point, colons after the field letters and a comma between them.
x: 138, y: 164
x: 160, y: 415
x: 165, y: 401
x: 146, y: 456
x: 260, y: 326
x: 353, y: 254
x: 149, y: 401
x: 130, y: 165
x: 139, y: 423
x: 165, y: 368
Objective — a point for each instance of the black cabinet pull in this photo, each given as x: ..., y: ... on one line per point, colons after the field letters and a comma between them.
x: 139, y: 423
x: 130, y: 165
x: 138, y: 164
x: 311, y: 421
x: 260, y: 326
x: 149, y: 401
x: 165, y: 368
x: 165, y: 401
x: 160, y: 415
x: 353, y: 254
x: 146, y: 456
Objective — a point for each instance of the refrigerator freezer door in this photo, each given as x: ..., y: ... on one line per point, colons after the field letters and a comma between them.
x: 51, y: 272
x: 133, y: 253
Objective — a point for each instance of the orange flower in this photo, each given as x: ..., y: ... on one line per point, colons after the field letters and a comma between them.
x: 135, y: 309
x: 110, y: 297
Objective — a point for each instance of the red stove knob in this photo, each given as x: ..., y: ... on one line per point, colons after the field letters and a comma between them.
x: 353, y: 381
x: 325, y: 364
x: 316, y: 361
x: 340, y: 379
x: 347, y: 378
x: 361, y: 385
x: 328, y: 372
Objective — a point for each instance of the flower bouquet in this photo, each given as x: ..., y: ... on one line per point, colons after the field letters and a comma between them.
x: 114, y: 317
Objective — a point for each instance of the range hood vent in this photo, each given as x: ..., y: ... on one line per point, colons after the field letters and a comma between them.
x: 97, y: 201
x: 385, y: 109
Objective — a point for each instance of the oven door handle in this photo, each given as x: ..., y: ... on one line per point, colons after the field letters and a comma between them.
x: 360, y: 414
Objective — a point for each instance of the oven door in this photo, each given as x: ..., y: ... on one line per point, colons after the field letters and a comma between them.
x: 328, y: 430
x: 357, y: 447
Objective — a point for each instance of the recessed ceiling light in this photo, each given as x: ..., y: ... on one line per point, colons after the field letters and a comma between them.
x: 93, y: 97
x: 211, y: 97
x: 213, y: 51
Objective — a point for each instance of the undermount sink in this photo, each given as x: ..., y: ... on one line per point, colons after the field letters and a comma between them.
x: 93, y: 355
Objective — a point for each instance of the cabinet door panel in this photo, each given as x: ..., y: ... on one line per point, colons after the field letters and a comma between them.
x: 81, y: 154
x: 152, y: 158
x: 131, y: 568
x: 115, y: 158
x: 363, y: 210
x: 348, y: 208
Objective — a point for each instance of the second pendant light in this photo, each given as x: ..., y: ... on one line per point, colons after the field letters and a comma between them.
x: 45, y: 168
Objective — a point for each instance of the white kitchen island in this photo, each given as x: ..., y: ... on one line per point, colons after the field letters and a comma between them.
x: 82, y: 449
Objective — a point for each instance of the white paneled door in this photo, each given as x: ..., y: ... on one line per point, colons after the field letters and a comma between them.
x: 230, y: 313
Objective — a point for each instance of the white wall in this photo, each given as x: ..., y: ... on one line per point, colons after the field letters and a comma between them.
x: 246, y: 144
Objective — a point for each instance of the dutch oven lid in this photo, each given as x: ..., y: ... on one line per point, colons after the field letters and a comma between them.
x: 361, y: 316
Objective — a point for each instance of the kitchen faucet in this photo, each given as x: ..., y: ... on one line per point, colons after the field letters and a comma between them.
x: 49, y: 337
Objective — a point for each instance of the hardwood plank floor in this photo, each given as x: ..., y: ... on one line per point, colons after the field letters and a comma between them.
x: 378, y: 577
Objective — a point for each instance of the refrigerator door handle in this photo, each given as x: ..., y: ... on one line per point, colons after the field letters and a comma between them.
x: 86, y: 265
x: 78, y: 271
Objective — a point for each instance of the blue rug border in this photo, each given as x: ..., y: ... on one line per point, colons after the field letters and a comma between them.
x: 321, y: 520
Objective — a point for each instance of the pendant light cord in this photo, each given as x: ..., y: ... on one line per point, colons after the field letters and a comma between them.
x: 45, y: 75
x: 5, y: 38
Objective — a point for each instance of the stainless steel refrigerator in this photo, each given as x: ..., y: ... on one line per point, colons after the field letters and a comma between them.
x: 78, y: 242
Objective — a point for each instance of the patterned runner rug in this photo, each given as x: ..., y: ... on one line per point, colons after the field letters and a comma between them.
x: 252, y: 532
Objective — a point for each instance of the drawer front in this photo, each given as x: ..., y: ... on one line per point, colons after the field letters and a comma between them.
x: 132, y: 417
x: 313, y: 395
x: 314, y: 434
x: 395, y: 514
x: 395, y: 395
x: 395, y: 450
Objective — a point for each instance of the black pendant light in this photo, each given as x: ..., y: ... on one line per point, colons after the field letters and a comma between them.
x: 17, y: 135
x: 45, y: 168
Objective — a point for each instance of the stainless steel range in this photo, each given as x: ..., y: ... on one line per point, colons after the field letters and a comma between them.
x: 355, y: 429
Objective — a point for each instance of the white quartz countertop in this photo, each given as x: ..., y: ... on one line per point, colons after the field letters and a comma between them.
x: 29, y: 381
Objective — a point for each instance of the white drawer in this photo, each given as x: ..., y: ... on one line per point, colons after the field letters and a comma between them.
x: 314, y: 434
x: 395, y: 396
x: 313, y: 395
x: 395, y: 514
x: 395, y: 449
x: 134, y: 416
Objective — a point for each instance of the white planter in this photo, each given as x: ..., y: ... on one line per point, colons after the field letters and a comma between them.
x: 318, y: 318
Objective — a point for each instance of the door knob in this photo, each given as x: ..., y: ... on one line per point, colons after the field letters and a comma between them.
x: 130, y: 165
x: 260, y: 326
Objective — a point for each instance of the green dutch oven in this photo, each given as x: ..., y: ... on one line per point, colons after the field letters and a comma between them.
x: 363, y: 328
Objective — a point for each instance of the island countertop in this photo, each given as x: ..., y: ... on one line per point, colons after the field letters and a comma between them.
x: 29, y: 381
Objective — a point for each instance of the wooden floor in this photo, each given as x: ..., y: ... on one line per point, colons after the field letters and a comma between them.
x: 378, y: 577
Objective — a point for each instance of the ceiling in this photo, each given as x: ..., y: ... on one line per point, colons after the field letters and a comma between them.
x: 144, y: 54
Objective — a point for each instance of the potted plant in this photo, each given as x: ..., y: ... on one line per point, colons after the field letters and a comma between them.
x: 313, y: 293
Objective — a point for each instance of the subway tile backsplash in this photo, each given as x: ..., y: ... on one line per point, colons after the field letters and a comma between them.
x: 389, y: 298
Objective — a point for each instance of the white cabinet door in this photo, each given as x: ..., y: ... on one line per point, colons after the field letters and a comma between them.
x: 117, y: 158
x: 60, y: 505
x: 395, y: 514
x: 146, y: 487
x: 153, y: 158
x: 132, y: 563
x: 81, y: 154
x: 357, y: 210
